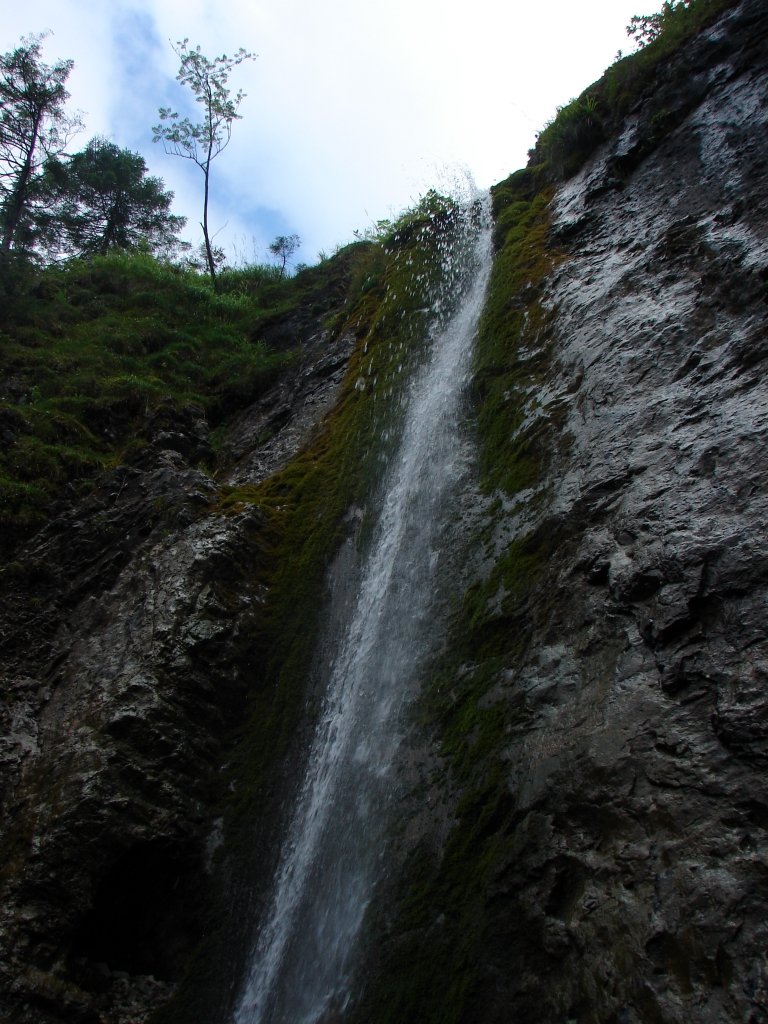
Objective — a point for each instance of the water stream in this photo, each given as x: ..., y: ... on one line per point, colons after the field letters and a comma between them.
x: 334, y: 851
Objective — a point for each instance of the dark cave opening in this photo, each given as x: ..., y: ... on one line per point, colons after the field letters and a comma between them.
x: 143, y: 919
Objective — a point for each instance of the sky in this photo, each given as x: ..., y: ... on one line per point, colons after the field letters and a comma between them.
x: 354, y: 108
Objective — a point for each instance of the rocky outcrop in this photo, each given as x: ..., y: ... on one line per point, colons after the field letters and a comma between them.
x: 609, y: 860
x: 638, y: 873
x: 262, y: 440
x: 129, y: 634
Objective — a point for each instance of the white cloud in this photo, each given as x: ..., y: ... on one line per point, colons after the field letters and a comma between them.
x: 352, y: 108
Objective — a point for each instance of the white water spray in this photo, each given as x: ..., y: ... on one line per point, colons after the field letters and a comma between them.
x: 333, y: 852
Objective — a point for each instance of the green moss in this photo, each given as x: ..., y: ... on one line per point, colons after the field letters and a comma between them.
x: 513, y: 344
x: 92, y: 352
x: 428, y: 970
x: 428, y: 965
x: 307, y: 501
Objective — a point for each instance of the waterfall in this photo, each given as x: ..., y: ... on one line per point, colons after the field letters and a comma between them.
x: 335, y: 845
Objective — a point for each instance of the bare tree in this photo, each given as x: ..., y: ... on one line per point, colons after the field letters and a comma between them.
x: 203, y: 141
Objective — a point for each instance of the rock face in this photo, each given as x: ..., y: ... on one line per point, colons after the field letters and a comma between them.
x: 604, y: 734
x: 594, y: 847
x: 127, y: 652
x: 615, y: 866
x: 264, y: 439
x: 640, y: 872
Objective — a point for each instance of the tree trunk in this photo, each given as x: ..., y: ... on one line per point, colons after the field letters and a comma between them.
x: 204, y: 225
x: 16, y: 203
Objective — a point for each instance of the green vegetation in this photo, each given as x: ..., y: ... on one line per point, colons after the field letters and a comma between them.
x: 567, y: 141
x: 34, y: 127
x: 430, y: 973
x: 102, y: 199
x: 95, y: 352
x: 674, y: 23
x: 513, y: 350
x: 283, y: 248
x: 581, y: 125
x: 54, y: 205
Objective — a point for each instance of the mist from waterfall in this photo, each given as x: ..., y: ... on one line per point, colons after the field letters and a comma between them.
x: 334, y: 851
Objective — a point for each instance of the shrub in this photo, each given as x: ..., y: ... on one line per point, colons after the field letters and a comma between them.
x: 580, y: 126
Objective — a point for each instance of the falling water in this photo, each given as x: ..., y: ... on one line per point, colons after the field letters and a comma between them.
x: 333, y: 853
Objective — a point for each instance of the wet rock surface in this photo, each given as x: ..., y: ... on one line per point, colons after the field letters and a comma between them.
x: 126, y: 654
x: 264, y: 439
x: 635, y: 879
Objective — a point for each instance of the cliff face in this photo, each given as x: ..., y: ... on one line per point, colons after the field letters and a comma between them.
x: 597, y: 725
x: 155, y: 644
x: 607, y: 720
x: 131, y: 633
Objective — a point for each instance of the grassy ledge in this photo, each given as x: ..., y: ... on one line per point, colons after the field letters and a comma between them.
x: 565, y: 144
